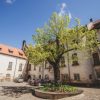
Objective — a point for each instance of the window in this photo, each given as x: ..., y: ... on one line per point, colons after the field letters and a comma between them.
x: 39, y: 68
x: 34, y: 76
x: 21, y: 54
x: 8, y: 75
x: 29, y: 67
x: 64, y: 77
x: 20, y: 67
x: 46, y: 76
x: 39, y: 76
x: 96, y: 59
x: 98, y: 73
x: 76, y: 77
x: 0, y: 49
x: 63, y: 62
x: 34, y: 67
x: 20, y: 76
x: 90, y: 76
x: 10, y: 66
x: 74, y: 59
x: 75, y: 41
x: 10, y: 51
x: 46, y: 64
x: 49, y: 67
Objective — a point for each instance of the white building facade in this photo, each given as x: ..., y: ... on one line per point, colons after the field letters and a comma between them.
x: 13, y: 63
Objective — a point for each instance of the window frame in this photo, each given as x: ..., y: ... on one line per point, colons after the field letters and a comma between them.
x: 20, y: 65
x: 75, y: 59
x: 34, y: 67
x: 96, y: 59
x: 10, y: 66
x: 9, y: 75
x: 77, y: 77
x: 40, y: 68
x: 63, y: 62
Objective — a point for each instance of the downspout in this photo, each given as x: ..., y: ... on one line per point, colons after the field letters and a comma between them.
x: 43, y: 65
x: 15, y: 69
x: 68, y: 64
x: 68, y: 67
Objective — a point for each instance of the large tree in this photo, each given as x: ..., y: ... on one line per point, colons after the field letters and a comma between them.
x: 55, y: 39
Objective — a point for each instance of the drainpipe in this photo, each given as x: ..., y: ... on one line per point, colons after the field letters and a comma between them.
x: 68, y: 67
x: 15, y: 69
x: 68, y: 64
x: 43, y: 64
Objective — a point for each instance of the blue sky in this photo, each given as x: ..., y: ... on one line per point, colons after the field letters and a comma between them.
x: 20, y: 18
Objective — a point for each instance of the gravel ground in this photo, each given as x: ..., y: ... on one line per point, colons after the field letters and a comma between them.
x: 13, y: 84
x: 88, y: 94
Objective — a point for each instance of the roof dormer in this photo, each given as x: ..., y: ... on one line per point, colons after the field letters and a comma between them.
x: 10, y: 50
x: 0, y: 48
x: 21, y: 54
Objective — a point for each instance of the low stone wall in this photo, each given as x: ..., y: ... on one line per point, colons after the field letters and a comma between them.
x: 54, y: 95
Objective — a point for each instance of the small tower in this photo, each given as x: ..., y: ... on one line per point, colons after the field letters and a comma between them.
x: 23, y: 45
x: 90, y: 25
x: 91, y: 20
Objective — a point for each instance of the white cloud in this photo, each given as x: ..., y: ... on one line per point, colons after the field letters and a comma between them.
x: 9, y: 1
x: 63, y: 8
x: 64, y: 5
x: 70, y: 15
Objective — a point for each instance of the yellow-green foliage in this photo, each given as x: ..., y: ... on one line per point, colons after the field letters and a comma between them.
x: 56, y: 38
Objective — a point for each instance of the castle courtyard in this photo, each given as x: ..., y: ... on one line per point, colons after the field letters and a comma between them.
x: 8, y: 94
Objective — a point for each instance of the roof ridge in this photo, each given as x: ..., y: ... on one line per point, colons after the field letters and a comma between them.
x: 10, y: 46
x: 5, y: 49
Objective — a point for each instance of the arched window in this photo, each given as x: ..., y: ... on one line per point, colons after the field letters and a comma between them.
x: 46, y: 76
x: 34, y: 77
x: 40, y: 77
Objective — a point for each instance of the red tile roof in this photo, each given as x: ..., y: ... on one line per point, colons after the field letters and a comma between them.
x: 11, y: 51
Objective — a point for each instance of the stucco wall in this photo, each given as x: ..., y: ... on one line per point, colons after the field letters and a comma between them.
x: 84, y: 69
x: 4, y: 62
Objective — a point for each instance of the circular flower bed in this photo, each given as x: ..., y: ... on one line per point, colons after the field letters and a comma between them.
x: 56, y: 91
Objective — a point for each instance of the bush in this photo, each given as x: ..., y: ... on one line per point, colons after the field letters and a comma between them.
x: 58, y: 88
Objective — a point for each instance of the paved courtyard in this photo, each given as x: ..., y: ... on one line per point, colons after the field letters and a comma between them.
x: 88, y: 94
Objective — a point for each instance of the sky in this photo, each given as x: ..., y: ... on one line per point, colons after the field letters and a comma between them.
x: 20, y: 18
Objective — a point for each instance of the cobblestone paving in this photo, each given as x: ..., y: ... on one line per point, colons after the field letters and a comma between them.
x: 88, y: 94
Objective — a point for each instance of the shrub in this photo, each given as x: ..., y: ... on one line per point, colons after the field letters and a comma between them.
x: 58, y: 88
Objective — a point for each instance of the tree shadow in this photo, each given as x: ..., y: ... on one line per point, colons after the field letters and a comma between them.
x: 14, y: 91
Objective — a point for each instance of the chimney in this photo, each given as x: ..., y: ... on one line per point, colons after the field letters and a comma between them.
x: 23, y: 45
x: 91, y: 20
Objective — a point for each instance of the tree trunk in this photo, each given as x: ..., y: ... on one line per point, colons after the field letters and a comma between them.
x: 56, y: 74
x: 56, y: 70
